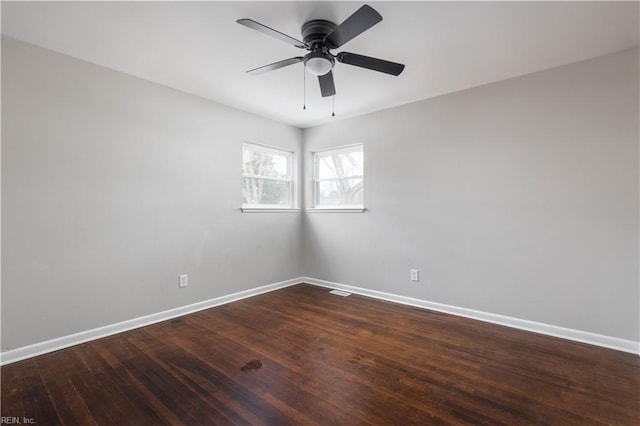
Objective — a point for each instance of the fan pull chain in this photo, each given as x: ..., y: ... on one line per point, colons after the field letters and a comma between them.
x: 333, y: 106
x: 304, y: 88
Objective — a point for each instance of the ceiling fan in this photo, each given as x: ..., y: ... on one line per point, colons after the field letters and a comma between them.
x: 320, y: 37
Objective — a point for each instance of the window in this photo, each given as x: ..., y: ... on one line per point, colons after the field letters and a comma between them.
x: 339, y: 178
x: 266, y: 178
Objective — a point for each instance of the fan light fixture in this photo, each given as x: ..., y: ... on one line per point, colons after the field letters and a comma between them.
x: 318, y: 66
x: 318, y: 63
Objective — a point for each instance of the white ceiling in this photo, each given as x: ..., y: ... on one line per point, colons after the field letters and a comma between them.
x: 198, y: 48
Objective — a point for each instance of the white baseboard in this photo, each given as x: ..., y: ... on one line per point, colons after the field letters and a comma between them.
x: 41, y: 348
x: 47, y: 346
x: 536, y: 327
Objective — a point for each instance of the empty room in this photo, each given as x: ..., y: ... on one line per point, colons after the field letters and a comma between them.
x: 329, y: 213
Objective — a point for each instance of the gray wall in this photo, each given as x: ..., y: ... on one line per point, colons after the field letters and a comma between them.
x: 112, y: 186
x: 517, y: 198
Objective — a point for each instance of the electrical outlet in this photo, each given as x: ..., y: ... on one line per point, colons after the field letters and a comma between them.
x: 415, y: 275
x: 183, y: 280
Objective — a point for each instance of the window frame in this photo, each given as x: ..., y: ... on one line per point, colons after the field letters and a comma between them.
x: 317, y: 156
x: 291, y: 179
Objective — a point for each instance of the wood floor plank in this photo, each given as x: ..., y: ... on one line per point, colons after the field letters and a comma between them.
x: 283, y: 379
x: 303, y: 356
x: 69, y: 404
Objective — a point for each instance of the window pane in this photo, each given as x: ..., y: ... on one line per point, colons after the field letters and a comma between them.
x: 339, y: 192
x: 340, y: 165
x: 262, y: 163
x: 264, y: 191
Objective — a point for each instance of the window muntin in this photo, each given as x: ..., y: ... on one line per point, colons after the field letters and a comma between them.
x: 266, y: 177
x: 339, y: 178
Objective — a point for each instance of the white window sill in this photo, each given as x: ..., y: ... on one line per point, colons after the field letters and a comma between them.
x: 268, y: 210
x: 337, y: 210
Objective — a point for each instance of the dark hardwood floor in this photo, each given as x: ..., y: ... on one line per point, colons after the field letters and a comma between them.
x: 303, y: 356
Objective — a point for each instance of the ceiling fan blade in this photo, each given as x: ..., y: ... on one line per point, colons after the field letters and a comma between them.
x: 327, y: 88
x: 374, y: 64
x: 360, y: 21
x: 250, y: 23
x: 275, y: 66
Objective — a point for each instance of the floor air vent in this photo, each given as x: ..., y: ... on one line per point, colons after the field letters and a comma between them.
x: 340, y: 293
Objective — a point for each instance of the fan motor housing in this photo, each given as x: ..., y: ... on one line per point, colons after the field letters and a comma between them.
x: 314, y: 32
